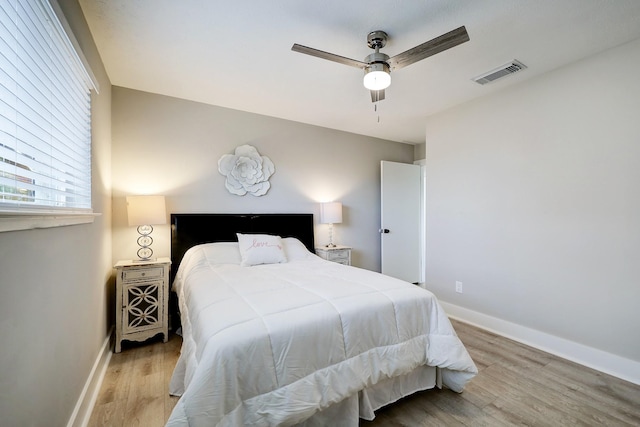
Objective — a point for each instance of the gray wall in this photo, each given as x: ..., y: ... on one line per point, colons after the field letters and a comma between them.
x: 533, y: 202
x: 164, y: 145
x: 54, y: 287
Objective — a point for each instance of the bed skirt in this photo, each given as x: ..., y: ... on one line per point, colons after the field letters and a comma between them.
x: 363, y: 405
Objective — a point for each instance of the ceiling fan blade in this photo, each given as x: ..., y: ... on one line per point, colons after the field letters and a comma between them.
x: 377, y: 95
x: 329, y: 56
x: 425, y: 50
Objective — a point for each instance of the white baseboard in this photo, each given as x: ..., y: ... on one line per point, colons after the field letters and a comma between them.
x: 87, y: 400
x: 620, y: 367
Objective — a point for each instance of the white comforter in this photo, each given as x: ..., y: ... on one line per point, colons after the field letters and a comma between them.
x: 274, y: 344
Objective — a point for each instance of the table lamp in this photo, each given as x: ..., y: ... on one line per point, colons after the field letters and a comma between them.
x: 144, y: 212
x: 331, y: 213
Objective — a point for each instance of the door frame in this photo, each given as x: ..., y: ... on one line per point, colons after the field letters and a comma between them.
x: 423, y: 221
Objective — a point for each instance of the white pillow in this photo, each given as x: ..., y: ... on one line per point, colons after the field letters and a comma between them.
x: 260, y: 249
x: 221, y: 252
x: 295, y: 249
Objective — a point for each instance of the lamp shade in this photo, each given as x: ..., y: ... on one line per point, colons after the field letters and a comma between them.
x: 146, y: 210
x: 331, y: 213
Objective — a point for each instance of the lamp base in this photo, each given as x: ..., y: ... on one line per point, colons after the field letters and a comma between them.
x: 144, y: 241
x: 330, y: 244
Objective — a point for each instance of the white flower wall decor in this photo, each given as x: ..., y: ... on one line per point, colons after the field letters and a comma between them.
x: 246, y: 171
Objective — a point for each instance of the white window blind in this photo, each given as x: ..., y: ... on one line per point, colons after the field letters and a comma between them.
x: 45, y: 113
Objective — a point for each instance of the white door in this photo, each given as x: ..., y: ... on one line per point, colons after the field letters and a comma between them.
x: 400, y: 220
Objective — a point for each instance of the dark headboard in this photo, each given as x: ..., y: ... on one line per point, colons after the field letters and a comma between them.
x: 188, y: 230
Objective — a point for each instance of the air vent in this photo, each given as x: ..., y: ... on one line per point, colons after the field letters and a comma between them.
x: 503, y: 71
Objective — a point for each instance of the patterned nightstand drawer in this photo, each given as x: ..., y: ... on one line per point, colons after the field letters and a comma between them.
x: 336, y: 256
x: 142, y: 273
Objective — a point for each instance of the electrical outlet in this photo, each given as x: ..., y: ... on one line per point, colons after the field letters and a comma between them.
x: 459, y: 287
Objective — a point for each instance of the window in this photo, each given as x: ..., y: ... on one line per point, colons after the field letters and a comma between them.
x: 45, y: 113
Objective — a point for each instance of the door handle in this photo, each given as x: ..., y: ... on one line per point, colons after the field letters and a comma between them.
x: 383, y: 230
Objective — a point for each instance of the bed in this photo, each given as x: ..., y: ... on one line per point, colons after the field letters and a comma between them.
x: 274, y: 335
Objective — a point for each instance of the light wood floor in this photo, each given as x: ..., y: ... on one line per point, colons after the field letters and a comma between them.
x: 135, y: 388
x: 517, y: 385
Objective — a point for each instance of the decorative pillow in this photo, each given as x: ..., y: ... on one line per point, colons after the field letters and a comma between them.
x: 260, y: 249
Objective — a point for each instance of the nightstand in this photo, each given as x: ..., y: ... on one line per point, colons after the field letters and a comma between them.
x: 142, y: 296
x: 339, y: 254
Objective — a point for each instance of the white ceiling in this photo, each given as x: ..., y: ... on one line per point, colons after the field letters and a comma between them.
x: 237, y: 54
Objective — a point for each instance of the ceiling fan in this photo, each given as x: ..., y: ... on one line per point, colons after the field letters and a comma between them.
x: 378, y: 66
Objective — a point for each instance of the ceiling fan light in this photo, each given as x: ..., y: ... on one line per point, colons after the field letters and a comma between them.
x: 377, y: 77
